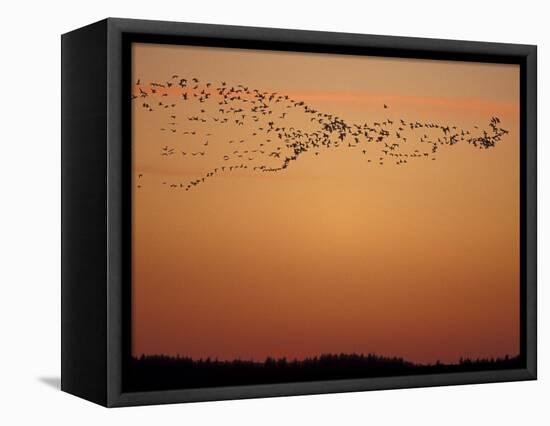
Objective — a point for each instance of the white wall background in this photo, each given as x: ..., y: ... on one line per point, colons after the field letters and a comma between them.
x: 30, y: 211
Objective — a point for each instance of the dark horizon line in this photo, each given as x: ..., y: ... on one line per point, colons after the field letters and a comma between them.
x: 320, y: 357
x: 162, y: 372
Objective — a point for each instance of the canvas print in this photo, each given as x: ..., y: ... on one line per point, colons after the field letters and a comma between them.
x: 310, y: 216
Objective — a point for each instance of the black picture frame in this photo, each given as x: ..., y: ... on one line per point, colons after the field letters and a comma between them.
x: 96, y: 226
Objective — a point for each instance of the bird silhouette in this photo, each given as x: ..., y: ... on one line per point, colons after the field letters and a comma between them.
x: 271, y: 119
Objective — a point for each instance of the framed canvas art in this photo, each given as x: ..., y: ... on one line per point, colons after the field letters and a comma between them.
x: 253, y: 212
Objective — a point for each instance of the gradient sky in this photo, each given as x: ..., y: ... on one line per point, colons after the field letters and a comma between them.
x: 335, y: 254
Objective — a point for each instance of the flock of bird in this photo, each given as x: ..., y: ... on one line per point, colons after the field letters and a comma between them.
x: 271, y: 142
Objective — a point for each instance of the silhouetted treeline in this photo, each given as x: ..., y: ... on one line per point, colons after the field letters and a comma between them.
x: 165, y: 372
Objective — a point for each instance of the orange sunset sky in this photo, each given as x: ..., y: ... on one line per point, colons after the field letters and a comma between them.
x: 335, y: 253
